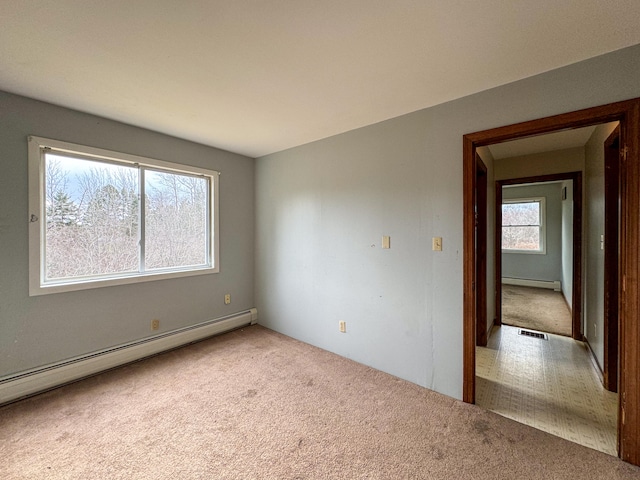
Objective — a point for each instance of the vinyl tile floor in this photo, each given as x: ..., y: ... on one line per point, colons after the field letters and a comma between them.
x: 548, y: 384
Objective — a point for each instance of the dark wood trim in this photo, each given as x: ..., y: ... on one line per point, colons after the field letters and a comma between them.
x: 497, y: 256
x: 468, y: 273
x: 481, y: 245
x: 629, y: 301
x: 576, y: 292
x: 611, y: 225
x: 628, y: 113
x: 580, y: 118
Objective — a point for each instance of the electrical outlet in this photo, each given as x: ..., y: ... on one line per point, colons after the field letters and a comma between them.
x: 227, y: 299
x: 155, y: 324
x: 343, y: 327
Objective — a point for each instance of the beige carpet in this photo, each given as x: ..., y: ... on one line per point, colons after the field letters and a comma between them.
x: 535, y: 308
x: 253, y: 404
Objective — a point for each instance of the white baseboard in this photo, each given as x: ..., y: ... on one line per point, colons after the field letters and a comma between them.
x: 553, y: 285
x: 45, y: 378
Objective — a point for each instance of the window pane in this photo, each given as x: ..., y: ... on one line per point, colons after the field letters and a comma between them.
x: 176, y: 220
x: 521, y: 213
x: 521, y: 238
x: 91, y: 218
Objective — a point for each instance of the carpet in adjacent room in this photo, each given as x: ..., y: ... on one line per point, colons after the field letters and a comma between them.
x: 539, y: 309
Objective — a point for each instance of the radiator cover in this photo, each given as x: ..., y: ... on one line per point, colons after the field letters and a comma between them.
x: 44, y: 378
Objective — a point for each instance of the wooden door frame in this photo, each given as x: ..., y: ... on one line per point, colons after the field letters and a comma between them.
x: 481, y: 261
x: 576, y: 293
x: 611, y: 245
x: 628, y: 114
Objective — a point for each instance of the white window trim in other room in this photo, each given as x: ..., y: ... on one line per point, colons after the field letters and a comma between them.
x: 543, y: 230
x: 39, y: 285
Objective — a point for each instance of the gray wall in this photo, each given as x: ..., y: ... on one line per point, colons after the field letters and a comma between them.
x: 530, y: 266
x: 321, y: 209
x: 594, y: 227
x: 36, y: 331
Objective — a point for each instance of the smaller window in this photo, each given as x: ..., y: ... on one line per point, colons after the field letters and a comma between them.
x: 523, y: 229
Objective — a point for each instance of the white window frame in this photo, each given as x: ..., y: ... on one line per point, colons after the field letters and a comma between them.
x: 543, y: 225
x: 37, y: 146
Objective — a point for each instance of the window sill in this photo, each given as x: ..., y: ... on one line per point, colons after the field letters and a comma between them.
x: 526, y: 252
x: 84, y: 284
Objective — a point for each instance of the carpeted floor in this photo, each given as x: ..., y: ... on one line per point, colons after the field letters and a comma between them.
x: 254, y: 404
x: 535, y: 308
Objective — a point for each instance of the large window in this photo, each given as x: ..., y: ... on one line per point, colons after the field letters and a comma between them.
x: 100, y: 218
x: 523, y: 225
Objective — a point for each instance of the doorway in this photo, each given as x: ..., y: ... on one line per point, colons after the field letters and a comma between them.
x: 576, y: 226
x: 532, y: 370
x: 627, y: 113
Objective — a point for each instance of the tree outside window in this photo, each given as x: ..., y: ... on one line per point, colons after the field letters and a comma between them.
x: 108, y: 220
x: 523, y: 225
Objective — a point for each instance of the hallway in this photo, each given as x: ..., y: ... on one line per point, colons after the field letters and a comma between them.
x: 550, y: 384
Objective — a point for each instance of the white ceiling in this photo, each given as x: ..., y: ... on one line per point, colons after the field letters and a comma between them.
x: 549, y: 142
x: 259, y: 76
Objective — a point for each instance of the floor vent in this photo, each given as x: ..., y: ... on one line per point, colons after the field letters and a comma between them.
x: 529, y: 333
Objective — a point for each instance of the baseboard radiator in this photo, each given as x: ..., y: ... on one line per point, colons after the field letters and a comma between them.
x: 47, y: 377
x: 553, y: 285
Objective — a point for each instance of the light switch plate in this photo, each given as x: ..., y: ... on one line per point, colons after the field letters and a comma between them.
x: 386, y: 242
x: 436, y: 244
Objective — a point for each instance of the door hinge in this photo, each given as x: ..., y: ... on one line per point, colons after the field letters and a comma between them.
x: 623, y: 153
x: 624, y: 283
